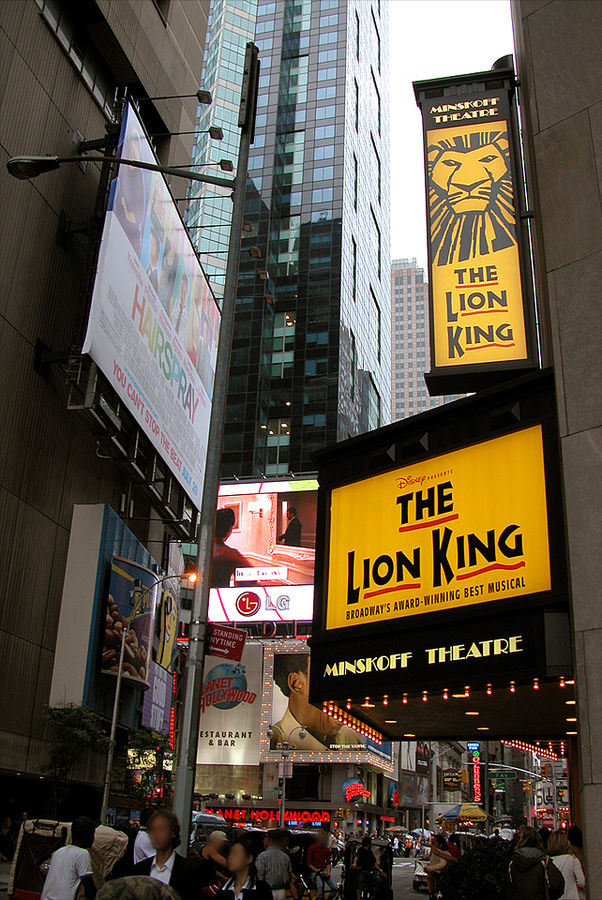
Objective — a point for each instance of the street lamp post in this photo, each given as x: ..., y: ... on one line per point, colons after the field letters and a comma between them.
x: 111, y: 749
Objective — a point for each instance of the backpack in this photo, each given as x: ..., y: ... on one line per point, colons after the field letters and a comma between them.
x: 554, y: 879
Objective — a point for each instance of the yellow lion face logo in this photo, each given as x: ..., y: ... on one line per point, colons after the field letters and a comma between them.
x: 470, y: 196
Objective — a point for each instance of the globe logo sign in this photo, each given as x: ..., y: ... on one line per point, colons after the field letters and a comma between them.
x: 225, y: 687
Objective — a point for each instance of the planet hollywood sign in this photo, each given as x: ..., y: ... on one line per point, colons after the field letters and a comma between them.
x: 270, y: 816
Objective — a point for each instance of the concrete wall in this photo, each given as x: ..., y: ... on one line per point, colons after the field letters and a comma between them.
x: 48, y: 459
x: 558, y: 60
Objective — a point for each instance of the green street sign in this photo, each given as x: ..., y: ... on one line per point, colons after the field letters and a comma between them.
x: 506, y: 775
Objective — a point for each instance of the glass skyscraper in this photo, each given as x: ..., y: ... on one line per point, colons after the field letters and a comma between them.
x: 311, y: 355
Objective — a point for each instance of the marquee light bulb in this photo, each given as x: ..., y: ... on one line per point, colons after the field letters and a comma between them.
x: 467, y: 691
x: 404, y: 699
x: 445, y: 694
x: 425, y: 696
x: 385, y: 700
x: 512, y: 687
x: 489, y: 690
x: 562, y: 681
x: 536, y: 684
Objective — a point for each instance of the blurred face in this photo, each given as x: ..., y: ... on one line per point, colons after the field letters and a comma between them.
x: 154, y: 250
x: 322, y: 838
x: 238, y: 860
x: 218, y: 843
x: 160, y: 833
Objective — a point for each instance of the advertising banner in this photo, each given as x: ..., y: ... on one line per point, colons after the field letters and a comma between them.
x: 302, y: 725
x: 264, y: 552
x: 157, y: 702
x: 460, y: 529
x: 130, y: 608
x: 230, y: 709
x: 480, y: 305
x: 154, y: 323
x: 228, y: 643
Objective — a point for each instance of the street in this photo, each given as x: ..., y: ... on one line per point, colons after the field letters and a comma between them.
x: 403, y: 871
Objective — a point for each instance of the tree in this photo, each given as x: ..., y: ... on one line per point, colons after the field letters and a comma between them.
x: 76, y: 731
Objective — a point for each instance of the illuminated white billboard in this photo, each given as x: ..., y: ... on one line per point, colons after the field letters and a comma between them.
x: 154, y: 323
x: 264, y: 552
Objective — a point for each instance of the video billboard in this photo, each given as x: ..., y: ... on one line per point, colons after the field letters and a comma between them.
x: 298, y: 722
x: 154, y: 323
x: 264, y: 552
x: 231, y: 709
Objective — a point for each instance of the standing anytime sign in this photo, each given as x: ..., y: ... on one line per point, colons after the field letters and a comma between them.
x: 481, y: 310
x: 463, y: 528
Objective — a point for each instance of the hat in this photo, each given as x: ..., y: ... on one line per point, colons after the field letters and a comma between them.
x: 218, y: 834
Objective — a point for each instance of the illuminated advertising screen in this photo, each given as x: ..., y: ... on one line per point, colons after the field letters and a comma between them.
x: 264, y: 552
x: 464, y: 528
x: 307, y: 730
x: 481, y: 310
x: 154, y: 323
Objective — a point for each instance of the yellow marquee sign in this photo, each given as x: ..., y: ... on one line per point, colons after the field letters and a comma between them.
x: 481, y: 311
x: 464, y: 528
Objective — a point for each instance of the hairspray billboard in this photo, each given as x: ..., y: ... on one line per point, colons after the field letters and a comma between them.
x: 154, y: 323
x: 230, y: 708
x: 482, y: 321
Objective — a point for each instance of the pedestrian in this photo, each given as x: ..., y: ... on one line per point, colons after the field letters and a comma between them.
x: 274, y: 866
x: 212, y: 862
x: 319, y: 861
x: 243, y: 883
x: 531, y: 874
x: 142, y: 845
x: 71, y: 865
x: 576, y: 842
x: 436, y: 863
x: 567, y: 863
x: 544, y: 833
x: 136, y: 887
x: 166, y: 865
x: 365, y: 863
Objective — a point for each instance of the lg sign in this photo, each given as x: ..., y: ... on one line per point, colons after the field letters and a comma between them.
x: 248, y: 604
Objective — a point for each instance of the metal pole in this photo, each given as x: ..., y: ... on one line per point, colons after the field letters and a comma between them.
x: 554, y: 801
x: 193, y: 667
x: 284, y: 764
x: 111, y: 750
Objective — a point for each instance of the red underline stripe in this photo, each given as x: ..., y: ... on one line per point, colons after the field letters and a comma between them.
x: 479, y: 312
x: 391, y: 590
x: 482, y: 346
x: 465, y: 287
x: 430, y: 524
x: 490, y: 568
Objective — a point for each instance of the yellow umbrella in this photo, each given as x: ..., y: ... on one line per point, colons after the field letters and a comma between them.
x: 465, y: 812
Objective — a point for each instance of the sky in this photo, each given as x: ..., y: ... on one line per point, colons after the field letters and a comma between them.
x: 431, y: 39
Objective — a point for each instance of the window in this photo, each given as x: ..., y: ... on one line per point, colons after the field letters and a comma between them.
x: 327, y: 74
x: 324, y: 131
x: 378, y: 170
x: 325, y: 112
x: 329, y: 4
x: 323, y: 173
x: 377, y: 101
x: 375, y: 325
x: 377, y: 243
x: 266, y: 9
x: 326, y: 93
x: 357, y: 105
x: 373, y: 405
x: 357, y: 35
x: 353, y: 269
x: 328, y: 37
x: 329, y: 20
x: 376, y: 32
x: 322, y: 195
x: 278, y: 445
x: 355, y: 182
x: 327, y: 55
x: 326, y: 152
x: 283, y: 345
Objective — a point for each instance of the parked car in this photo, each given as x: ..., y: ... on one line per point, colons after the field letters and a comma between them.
x: 202, y: 825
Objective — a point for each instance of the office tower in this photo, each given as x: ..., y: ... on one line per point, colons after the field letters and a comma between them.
x: 410, y: 346
x: 311, y: 353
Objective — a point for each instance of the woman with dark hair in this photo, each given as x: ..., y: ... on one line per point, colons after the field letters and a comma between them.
x: 531, y: 874
x: 166, y: 865
x: 569, y: 865
x: 243, y: 883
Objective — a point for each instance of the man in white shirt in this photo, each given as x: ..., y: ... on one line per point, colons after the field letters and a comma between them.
x: 142, y: 845
x: 71, y: 865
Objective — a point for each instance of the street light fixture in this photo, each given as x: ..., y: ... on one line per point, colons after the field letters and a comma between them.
x: 191, y: 577
x: 25, y: 167
x: 203, y: 97
x: 214, y: 132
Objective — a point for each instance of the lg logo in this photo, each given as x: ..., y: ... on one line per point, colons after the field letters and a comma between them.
x: 248, y: 604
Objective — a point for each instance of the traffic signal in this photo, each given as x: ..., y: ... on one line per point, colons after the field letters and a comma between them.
x: 526, y: 787
x: 544, y: 771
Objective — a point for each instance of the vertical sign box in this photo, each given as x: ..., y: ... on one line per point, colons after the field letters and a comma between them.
x: 481, y: 305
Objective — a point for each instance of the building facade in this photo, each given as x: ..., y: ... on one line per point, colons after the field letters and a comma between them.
x: 66, y: 64
x: 410, y: 343
x: 311, y: 352
x: 557, y: 45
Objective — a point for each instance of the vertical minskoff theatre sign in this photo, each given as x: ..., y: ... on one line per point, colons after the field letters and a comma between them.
x: 482, y: 326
